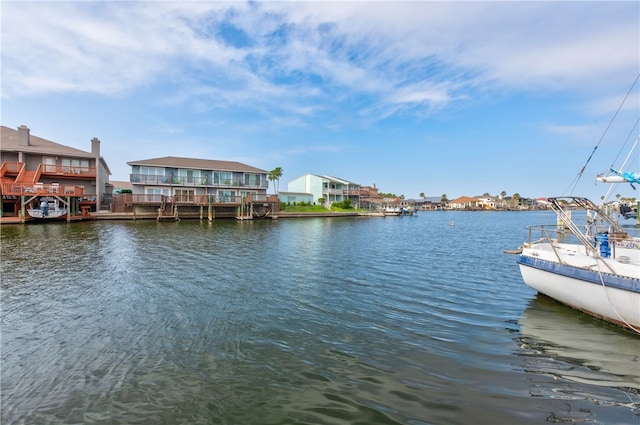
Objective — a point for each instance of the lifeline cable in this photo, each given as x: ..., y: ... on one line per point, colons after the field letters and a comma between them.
x: 577, y: 179
x: 604, y: 286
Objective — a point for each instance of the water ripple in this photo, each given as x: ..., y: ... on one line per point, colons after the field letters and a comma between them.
x: 323, y: 321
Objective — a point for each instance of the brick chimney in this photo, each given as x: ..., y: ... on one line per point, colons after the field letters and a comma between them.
x: 95, y: 147
x: 23, y: 136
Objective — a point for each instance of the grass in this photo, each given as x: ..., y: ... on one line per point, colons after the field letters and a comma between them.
x: 305, y: 208
x: 317, y: 209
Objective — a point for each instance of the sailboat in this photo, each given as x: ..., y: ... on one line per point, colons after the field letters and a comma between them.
x: 587, y: 260
x: 597, y: 271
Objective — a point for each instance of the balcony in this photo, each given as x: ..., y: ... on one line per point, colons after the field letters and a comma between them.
x: 39, y: 189
x: 11, y: 168
x: 333, y: 191
x: 67, y: 171
x: 153, y: 199
x: 184, y: 181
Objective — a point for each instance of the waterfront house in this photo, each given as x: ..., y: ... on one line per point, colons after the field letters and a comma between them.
x: 33, y: 168
x: 168, y: 182
x: 330, y: 189
x: 489, y: 202
x: 428, y: 203
x: 369, y: 197
x: 464, y: 203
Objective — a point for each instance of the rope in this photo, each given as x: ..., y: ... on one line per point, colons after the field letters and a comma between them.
x: 615, y: 310
x: 577, y: 179
x: 624, y: 164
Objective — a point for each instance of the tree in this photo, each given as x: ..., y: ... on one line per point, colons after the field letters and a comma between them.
x: 443, y: 199
x: 422, y: 195
x: 515, y: 200
x: 274, y: 175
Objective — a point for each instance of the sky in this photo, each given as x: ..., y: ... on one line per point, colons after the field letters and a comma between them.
x: 455, y: 98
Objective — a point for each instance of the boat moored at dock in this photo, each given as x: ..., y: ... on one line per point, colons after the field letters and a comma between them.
x: 593, y: 267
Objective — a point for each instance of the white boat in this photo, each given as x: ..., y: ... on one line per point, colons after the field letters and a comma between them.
x: 48, y: 210
x: 392, y: 210
x: 592, y: 266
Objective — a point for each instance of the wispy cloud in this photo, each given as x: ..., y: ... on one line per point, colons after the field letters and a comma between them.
x: 301, y: 58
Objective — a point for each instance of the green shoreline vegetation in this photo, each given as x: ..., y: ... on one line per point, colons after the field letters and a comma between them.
x: 307, y: 207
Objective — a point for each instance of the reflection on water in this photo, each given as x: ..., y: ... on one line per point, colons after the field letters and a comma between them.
x: 572, y: 356
x: 402, y: 320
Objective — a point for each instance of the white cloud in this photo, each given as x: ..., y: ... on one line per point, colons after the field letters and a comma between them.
x: 300, y: 57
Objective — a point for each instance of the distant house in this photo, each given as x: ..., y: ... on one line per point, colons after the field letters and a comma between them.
x: 464, y: 203
x: 369, y: 197
x: 519, y: 203
x: 121, y: 186
x: 331, y: 189
x: 33, y: 166
x: 490, y: 202
x: 428, y: 203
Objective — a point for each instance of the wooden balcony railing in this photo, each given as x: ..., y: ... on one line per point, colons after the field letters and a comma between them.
x: 10, y: 167
x: 154, y: 199
x: 67, y: 171
x: 39, y: 189
x: 18, y: 168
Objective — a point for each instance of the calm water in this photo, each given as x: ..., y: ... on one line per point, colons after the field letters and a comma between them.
x: 397, y: 320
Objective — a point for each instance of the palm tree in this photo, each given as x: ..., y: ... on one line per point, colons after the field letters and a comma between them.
x: 422, y: 195
x: 515, y: 200
x: 444, y: 200
x: 274, y: 175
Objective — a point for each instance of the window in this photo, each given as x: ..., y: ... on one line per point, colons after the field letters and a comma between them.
x: 184, y: 195
x: 252, y: 179
x: 226, y: 195
x: 222, y: 177
x: 157, y: 191
x: 151, y: 174
x: 75, y: 166
x: 189, y: 177
x: 49, y: 164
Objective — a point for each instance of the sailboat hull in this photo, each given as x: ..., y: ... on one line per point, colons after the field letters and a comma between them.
x: 613, y: 298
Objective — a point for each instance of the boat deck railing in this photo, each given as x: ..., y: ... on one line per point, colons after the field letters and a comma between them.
x: 556, y: 234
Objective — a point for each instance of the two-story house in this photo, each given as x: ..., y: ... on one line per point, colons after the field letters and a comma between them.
x: 35, y: 167
x: 171, y: 181
x: 330, y: 189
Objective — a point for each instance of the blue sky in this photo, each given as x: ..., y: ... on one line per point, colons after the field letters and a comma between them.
x: 455, y: 98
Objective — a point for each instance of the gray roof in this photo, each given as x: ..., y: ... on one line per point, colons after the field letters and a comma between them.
x: 198, y: 164
x: 430, y: 199
x: 117, y: 184
x: 37, y: 145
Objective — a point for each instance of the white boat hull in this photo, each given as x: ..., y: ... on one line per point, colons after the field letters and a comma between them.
x: 610, y: 297
x: 37, y: 213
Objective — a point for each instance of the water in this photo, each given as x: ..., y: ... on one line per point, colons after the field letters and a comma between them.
x: 397, y: 320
